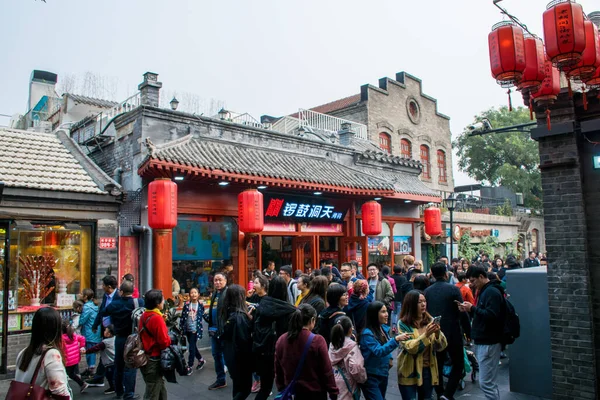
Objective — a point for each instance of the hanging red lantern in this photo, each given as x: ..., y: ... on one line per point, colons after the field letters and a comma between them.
x: 593, y: 82
x: 534, y: 72
x: 250, y: 211
x: 162, y: 204
x: 590, y: 58
x: 433, y: 221
x: 507, y: 53
x: 564, y: 32
x: 549, y: 90
x: 371, y: 218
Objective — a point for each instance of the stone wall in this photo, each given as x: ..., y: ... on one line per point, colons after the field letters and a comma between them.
x: 106, y: 258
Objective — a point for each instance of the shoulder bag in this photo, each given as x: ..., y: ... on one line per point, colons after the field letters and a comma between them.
x: 31, y: 391
x: 289, y: 392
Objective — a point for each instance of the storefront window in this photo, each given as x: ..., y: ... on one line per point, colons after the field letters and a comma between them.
x: 49, y: 264
x: 201, y: 247
x: 403, y: 241
x: 379, y: 246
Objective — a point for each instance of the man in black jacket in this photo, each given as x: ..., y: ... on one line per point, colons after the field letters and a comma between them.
x: 215, y: 329
x: 441, y: 299
x: 487, y: 328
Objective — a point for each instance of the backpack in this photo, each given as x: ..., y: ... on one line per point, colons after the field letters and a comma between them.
x: 512, y: 325
x: 136, y: 314
x: 134, y: 354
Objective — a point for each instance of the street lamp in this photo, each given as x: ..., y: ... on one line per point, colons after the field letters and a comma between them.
x: 451, y: 205
x: 174, y: 103
x: 224, y: 114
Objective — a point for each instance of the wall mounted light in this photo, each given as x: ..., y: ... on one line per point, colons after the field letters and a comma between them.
x: 223, y: 183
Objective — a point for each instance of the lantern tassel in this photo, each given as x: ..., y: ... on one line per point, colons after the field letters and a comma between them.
x: 548, y: 119
x: 530, y: 109
x: 570, y: 89
x: 509, y: 101
x: 585, y: 102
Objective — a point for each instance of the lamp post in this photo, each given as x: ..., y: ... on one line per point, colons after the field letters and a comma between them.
x: 450, y: 205
x: 174, y: 103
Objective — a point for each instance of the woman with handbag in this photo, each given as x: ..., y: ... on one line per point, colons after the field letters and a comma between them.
x: 190, y: 324
x: 417, y: 362
x: 311, y: 377
x: 347, y: 360
x: 41, y: 364
x: 155, y: 338
x: 377, y: 347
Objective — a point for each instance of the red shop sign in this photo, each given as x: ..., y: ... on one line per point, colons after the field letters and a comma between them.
x: 107, y: 243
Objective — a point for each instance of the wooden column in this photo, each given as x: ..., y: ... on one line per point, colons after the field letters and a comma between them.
x: 242, y: 272
x: 162, y: 265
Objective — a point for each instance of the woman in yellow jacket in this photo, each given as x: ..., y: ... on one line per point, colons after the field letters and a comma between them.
x: 417, y: 364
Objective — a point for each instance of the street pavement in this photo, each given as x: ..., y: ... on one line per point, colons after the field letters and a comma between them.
x: 197, y: 385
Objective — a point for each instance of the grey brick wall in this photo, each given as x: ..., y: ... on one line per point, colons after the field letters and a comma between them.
x: 106, y: 258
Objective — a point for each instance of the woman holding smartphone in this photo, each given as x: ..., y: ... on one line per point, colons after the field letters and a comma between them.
x: 417, y: 363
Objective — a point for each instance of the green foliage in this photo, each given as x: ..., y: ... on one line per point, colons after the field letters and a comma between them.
x: 433, y: 253
x: 465, y: 248
x: 505, y: 209
x: 509, y: 159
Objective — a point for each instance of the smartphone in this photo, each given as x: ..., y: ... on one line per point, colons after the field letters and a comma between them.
x: 437, y: 319
x: 251, y: 285
x: 457, y: 302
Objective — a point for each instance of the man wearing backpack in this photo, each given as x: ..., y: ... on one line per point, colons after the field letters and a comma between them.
x: 487, y: 329
x: 120, y: 312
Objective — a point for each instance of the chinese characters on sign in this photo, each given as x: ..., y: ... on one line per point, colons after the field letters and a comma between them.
x: 107, y: 243
x: 299, y: 209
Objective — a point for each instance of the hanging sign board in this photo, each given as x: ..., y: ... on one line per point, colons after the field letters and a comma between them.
x: 303, y: 209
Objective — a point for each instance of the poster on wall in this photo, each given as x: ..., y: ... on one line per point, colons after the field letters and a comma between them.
x: 129, y: 256
x: 199, y: 240
x: 379, y: 245
x: 402, y: 245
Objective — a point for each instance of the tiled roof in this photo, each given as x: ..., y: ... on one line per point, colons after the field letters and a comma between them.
x: 41, y: 161
x: 266, y: 163
x: 92, y: 101
x: 407, y: 183
x: 335, y: 105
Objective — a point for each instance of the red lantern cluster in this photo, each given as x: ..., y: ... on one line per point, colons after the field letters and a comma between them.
x: 507, y: 53
x: 564, y: 32
x: 534, y: 72
x: 590, y: 58
x: 371, y: 218
x: 549, y: 90
x: 162, y: 204
x: 433, y: 221
x: 250, y: 211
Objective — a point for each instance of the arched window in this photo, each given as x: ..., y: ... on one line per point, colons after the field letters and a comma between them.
x: 406, y: 148
x: 385, y: 142
x: 441, y: 162
x: 425, y: 161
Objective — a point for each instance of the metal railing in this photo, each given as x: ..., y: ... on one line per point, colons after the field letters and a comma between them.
x: 330, y: 124
x: 246, y: 119
x: 124, y: 106
x: 484, y: 205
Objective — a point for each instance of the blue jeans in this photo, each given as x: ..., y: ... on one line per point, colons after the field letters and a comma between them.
x: 217, y: 348
x: 488, y: 357
x: 193, y: 352
x: 110, y: 376
x: 90, y: 358
x: 375, y: 387
x: 423, y: 392
x: 124, y: 377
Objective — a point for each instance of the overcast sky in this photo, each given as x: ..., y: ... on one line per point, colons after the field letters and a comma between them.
x: 263, y: 57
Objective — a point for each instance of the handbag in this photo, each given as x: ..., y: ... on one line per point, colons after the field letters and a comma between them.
x: 31, y: 391
x: 290, y: 390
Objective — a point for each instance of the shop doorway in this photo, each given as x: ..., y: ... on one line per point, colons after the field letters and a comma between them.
x: 4, y: 286
x: 354, y: 248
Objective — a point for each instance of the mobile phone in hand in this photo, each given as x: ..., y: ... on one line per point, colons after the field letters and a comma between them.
x: 437, y: 319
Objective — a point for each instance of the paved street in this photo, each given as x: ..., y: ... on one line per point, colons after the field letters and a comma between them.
x: 198, y: 382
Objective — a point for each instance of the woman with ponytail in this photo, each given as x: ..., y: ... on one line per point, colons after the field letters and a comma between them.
x: 347, y: 360
x: 316, y: 379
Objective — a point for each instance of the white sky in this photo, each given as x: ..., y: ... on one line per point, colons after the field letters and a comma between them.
x: 264, y: 56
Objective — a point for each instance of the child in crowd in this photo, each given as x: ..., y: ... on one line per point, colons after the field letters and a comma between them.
x: 76, y: 315
x: 107, y: 354
x: 86, y: 321
x: 73, y: 345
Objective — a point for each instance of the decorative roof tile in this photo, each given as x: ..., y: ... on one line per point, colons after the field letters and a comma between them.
x: 41, y: 161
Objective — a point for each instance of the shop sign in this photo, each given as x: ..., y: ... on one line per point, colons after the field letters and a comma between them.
x: 302, y: 209
x: 107, y: 243
x: 331, y: 255
x: 480, y: 233
x: 321, y: 228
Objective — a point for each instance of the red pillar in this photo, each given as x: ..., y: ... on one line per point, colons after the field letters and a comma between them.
x: 162, y: 266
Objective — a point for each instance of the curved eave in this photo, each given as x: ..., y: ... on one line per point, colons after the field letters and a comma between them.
x: 158, y: 168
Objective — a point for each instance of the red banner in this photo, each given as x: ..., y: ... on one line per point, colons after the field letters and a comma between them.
x: 129, y: 257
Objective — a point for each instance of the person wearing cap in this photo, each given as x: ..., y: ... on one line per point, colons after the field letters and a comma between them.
x: 286, y: 273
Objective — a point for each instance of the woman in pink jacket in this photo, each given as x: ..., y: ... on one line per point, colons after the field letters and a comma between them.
x: 73, y: 345
x: 347, y: 360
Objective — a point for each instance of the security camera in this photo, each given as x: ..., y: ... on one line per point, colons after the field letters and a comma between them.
x: 481, y: 126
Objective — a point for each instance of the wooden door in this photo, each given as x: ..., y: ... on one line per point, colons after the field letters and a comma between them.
x: 303, y: 250
x: 354, y: 248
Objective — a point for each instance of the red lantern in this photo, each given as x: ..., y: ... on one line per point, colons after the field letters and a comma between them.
x: 371, y: 218
x: 162, y: 204
x: 250, y: 211
x: 564, y: 32
x: 590, y: 58
x: 549, y: 89
x: 433, y: 221
x: 594, y: 81
x: 535, y: 58
x: 507, y: 53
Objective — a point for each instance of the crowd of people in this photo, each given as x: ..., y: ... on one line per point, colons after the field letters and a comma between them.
x: 331, y: 333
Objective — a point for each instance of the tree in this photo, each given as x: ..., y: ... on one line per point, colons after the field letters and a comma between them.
x: 508, y: 159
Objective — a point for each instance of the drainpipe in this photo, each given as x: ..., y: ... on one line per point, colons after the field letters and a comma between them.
x: 145, y: 283
x: 117, y: 175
